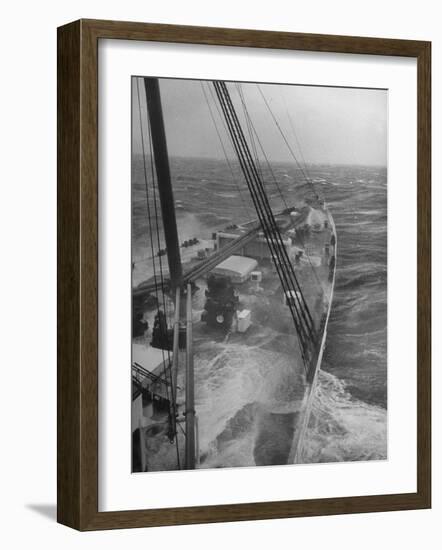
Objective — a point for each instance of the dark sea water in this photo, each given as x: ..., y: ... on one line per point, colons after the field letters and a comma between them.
x: 349, y: 414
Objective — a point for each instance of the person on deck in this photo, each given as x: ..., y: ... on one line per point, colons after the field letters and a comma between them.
x: 139, y: 325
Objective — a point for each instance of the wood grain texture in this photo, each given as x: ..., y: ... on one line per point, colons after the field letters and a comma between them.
x: 68, y: 276
x: 252, y: 38
x: 77, y: 222
x: 424, y: 274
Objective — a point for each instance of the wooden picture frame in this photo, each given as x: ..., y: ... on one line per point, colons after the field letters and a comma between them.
x: 77, y: 458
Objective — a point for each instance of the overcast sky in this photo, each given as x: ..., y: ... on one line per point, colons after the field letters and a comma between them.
x: 333, y: 125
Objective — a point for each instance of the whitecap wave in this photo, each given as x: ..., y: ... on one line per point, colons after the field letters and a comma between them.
x: 342, y: 428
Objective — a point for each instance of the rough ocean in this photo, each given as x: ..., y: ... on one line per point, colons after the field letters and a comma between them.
x: 349, y: 413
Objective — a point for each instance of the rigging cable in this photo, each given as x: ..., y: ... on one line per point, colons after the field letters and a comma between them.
x: 150, y: 222
x: 295, y: 134
x: 149, y: 217
x: 246, y: 208
x: 229, y: 137
x: 307, y: 179
x: 258, y: 164
x: 250, y: 129
x: 307, y: 172
x: 173, y: 413
x: 261, y: 189
x: 298, y: 143
x: 298, y: 308
x: 287, y: 143
x: 262, y: 149
x: 172, y: 420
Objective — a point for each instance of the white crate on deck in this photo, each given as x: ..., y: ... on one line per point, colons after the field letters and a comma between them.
x: 244, y: 320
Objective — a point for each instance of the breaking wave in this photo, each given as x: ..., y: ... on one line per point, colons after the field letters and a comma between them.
x: 343, y: 428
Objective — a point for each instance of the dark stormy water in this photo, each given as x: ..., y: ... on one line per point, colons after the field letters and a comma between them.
x: 349, y: 413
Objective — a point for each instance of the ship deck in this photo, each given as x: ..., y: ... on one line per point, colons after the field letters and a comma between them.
x: 270, y: 340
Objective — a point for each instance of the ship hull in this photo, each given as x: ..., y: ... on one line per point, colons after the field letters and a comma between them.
x: 297, y: 449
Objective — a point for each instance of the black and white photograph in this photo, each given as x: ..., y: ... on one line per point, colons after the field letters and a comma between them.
x: 259, y: 274
x: 218, y: 223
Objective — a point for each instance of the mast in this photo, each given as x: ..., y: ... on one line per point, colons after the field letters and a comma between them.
x: 165, y: 191
x: 190, y: 397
